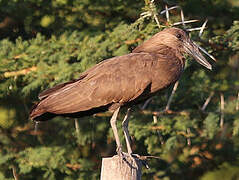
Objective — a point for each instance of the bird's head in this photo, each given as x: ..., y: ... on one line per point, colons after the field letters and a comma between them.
x: 176, y: 39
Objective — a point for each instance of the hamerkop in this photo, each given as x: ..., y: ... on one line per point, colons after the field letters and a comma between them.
x: 121, y: 81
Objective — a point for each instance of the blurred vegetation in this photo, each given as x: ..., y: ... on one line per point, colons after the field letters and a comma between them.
x: 47, y: 42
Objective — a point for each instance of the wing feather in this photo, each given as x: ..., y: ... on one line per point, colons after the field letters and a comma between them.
x: 118, y: 80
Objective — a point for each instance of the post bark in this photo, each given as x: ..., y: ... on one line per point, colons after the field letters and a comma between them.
x: 116, y: 168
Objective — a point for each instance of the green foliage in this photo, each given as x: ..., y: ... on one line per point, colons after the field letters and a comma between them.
x: 233, y: 36
x: 226, y: 171
x: 44, y: 43
x: 42, y: 157
x: 211, y: 125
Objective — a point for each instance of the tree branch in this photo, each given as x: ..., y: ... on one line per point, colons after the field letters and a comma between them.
x: 20, y: 72
x: 237, y: 103
x: 171, y: 96
x: 222, y: 105
x: 15, y: 175
x: 207, y: 101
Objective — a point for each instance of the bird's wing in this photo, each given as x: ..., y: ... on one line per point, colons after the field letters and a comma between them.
x: 58, y: 87
x: 62, y: 86
x: 117, y: 80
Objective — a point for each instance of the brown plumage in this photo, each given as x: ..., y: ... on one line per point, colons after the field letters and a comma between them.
x: 118, y: 81
x: 123, y: 80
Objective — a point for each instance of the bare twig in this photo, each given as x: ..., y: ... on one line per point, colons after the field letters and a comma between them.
x: 202, y: 28
x: 157, y: 21
x: 237, y: 103
x: 154, y: 12
x: 222, y: 105
x: 185, y: 22
x: 207, y: 101
x: 182, y: 18
x: 14, y: 172
x: 167, y: 12
x: 21, y: 72
x: 188, y: 139
x: 155, y: 119
x: 148, y: 157
x: 146, y: 103
x: 74, y: 167
x: 171, y: 96
x: 171, y: 8
x: 145, y: 14
x: 193, y: 29
x: 151, y: 13
x: 36, y: 126
x: 77, y: 126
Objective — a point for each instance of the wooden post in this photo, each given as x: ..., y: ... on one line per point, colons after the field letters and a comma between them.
x: 116, y: 168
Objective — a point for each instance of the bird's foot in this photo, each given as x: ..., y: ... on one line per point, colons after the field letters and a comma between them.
x: 130, y: 156
x: 135, y: 156
x: 140, y: 158
x: 120, y: 153
x: 123, y: 155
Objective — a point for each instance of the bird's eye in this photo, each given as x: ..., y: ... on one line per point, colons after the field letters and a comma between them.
x: 179, y: 36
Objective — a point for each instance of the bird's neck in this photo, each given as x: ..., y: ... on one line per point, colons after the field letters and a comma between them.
x: 161, y: 50
x: 181, y: 58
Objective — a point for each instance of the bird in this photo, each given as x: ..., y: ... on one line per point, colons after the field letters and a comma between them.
x: 121, y: 81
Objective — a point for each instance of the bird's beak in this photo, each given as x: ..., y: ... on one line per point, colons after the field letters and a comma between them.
x: 192, y: 49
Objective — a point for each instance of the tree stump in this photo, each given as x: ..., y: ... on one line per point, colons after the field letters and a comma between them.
x: 116, y: 168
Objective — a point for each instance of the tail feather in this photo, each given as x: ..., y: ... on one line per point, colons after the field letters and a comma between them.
x: 35, y: 112
x: 39, y: 114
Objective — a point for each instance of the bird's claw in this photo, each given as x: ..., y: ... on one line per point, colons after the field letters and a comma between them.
x: 120, y: 153
x: 135, y: 156
x: 140, y: 158
x: 132, y: 156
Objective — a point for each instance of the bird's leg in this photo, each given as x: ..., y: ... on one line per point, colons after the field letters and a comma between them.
x: 125, y: 124
x: 126, y: 131
x: 115, y: 131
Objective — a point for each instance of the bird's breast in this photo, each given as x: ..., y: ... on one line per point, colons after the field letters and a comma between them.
x: 165, y: 74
